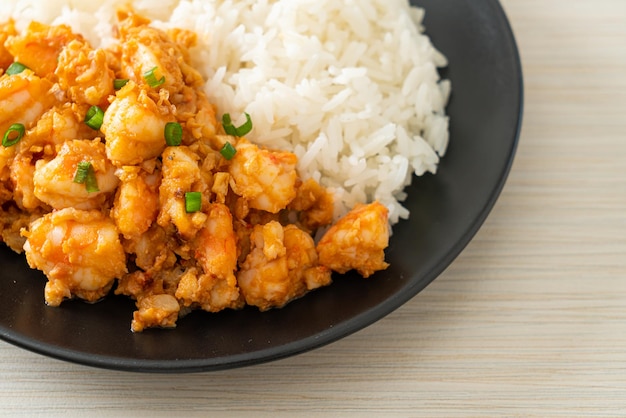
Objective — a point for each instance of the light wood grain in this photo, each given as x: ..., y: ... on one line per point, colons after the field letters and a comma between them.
x: 530, y: 320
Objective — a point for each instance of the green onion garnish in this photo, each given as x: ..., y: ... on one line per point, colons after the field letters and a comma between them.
x: 86, y: 175
x: 16, y: 68
x: 173, y: 134
x: 94, y: 117
x: 13, y: 135
x: 228, y: 151
x: 193, y: 201
x: 81, y: 172
x: 118, y: 83
x: 91, y: 182
x: 151, y: 79
x: 232, y: 130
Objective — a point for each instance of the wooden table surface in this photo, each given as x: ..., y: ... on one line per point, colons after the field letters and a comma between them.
x: 530, y: 320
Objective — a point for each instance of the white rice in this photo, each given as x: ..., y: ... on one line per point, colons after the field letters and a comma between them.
x: 351, y: 87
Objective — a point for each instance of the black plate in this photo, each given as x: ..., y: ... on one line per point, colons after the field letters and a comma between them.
x: 446, y: 211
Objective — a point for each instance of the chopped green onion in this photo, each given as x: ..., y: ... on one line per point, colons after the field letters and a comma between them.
x: 151, y: 79
x: 118, y: 83
x: 232, y: 130
x: 13, y: 135
x: 227, y: 123
x: 86, y: 175
x: 94, y: 117
x: 16, y: 68
x: 91, y: 182
x: 193, y: 201
x: 81, y: 172
x: 173, y: 134
x: 228, y: 151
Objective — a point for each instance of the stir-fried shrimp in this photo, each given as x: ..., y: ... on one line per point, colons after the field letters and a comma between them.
x: 303, y: 262
x: 357, y: 241
x: 146, y: 50
x: 181, y: 174
x: 216, y: 244
x: 24, y: 98
x: 263, y: 277
x: 84, y: 73
x: 136, y: 203
x: 208, y: 292
x: 55, y: 127
x: 267, y: 179
x: 215, y: 248
x: 143, y: 198
x: 133, y: 126
x: 54, y: 180
x: 39, y: 47
x: 79, y: 251
x: 281, y: 266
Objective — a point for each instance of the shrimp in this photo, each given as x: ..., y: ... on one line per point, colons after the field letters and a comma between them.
x: 281, y: 266
x: 79, y: 251
x: 266, y: 179
x: 56, y: 126
x: 39, y: 47
x: 54, y: 180
x: 24, y: 98
x: 136, y: 203
x: 357, y: 241
x: 208, y: 292
x: 303, y: 261
x: 181, y: 174
x: 216, y: 243
x: 83, y: 72
x: 146, y: 49
x: 134, y: 125
x: 215, y: 249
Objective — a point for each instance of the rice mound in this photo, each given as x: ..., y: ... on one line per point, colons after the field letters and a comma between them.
x: 352, y: 88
